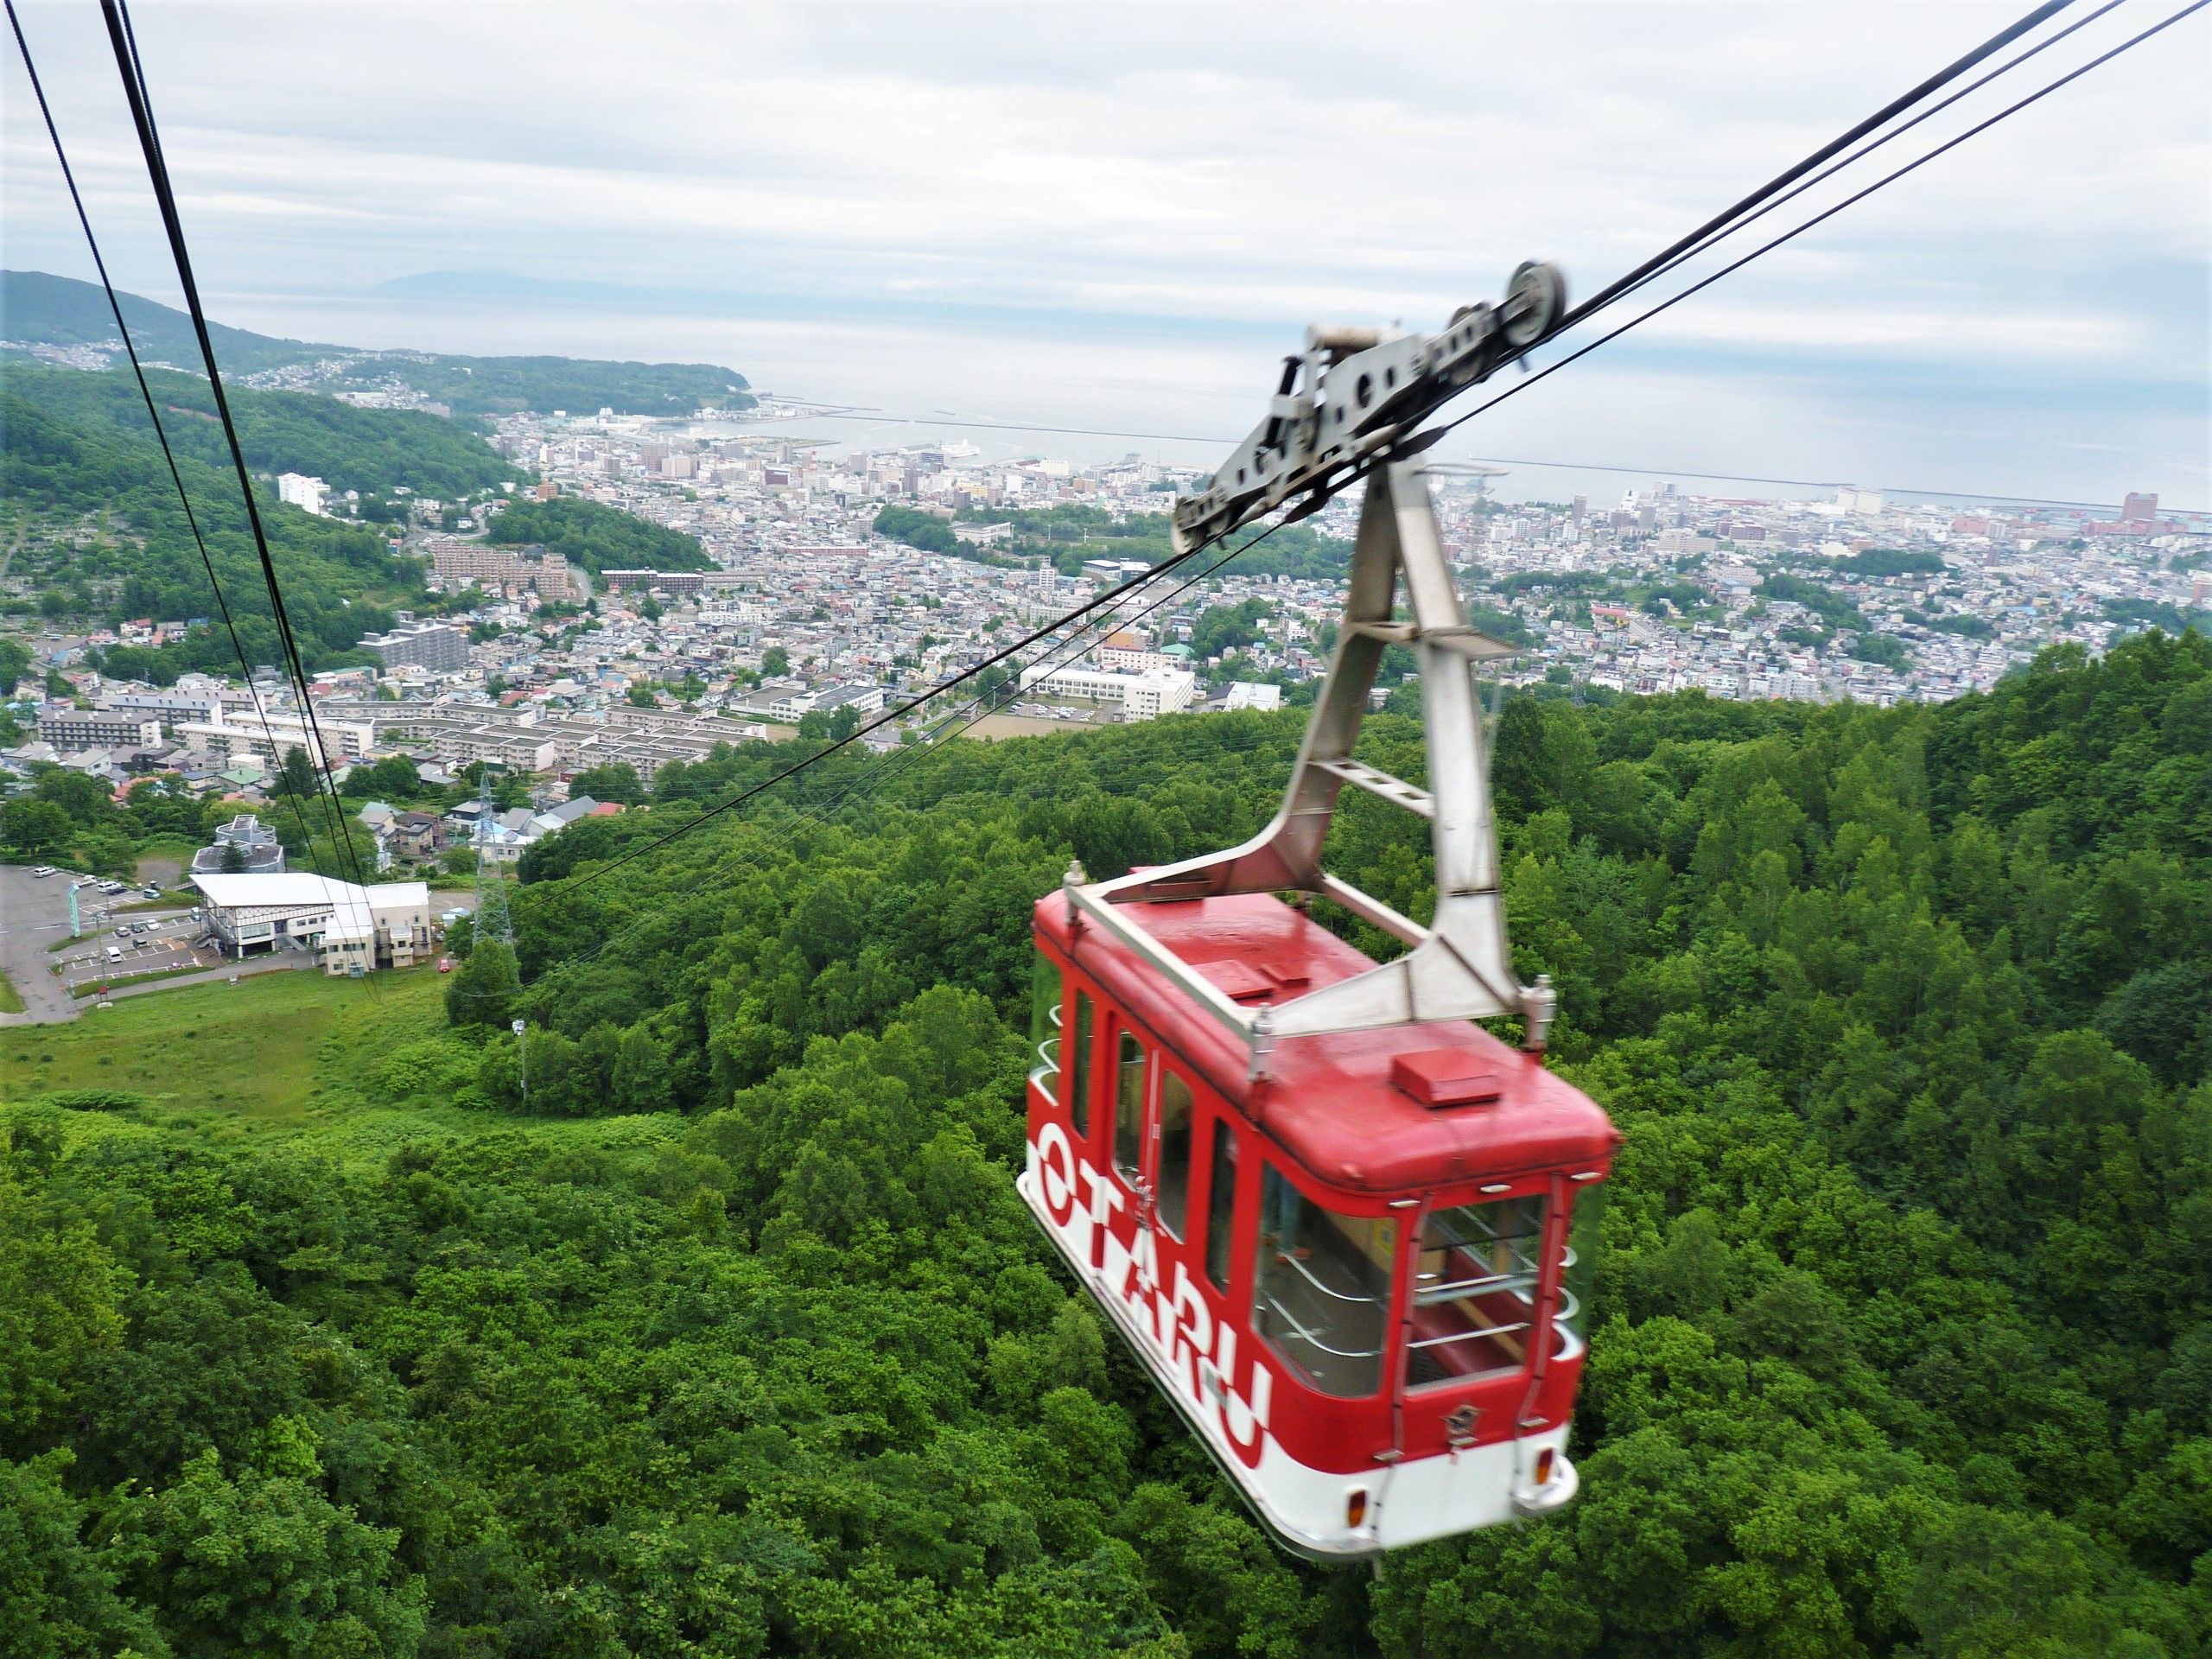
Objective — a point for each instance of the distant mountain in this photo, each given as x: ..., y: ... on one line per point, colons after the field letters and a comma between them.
x: 45, y: 315
x: 39, y: 309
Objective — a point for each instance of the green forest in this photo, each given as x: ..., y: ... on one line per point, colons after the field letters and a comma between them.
x: 84, y: 492
x: 483, y: 386
x: 372, y: 450
x: 1068, y: 535
x: 726, y: 1335
x: 599, y: 538
x: 44, y: 310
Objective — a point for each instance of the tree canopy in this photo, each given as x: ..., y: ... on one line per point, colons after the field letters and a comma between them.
x: 82, y: 482
x: 727, y: 1334
x: 598, y: 537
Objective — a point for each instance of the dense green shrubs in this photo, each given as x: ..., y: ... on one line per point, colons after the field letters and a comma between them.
x: 1902, y: 1343
x: 599, y: 538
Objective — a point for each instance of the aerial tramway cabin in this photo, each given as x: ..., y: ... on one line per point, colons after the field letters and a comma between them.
x: 1360, y: 1275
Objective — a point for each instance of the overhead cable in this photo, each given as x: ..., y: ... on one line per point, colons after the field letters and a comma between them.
x: 1625, y: 286
x: 1826, y: 214
x: 153, y: 413
x: 134, y: 85
x: 1835, y: 146
x: 1589, y: 308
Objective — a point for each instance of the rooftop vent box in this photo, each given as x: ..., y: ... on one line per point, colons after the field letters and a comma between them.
x: 1447, y: 1077
x: 1238, y: 982
x: 1243, y: 981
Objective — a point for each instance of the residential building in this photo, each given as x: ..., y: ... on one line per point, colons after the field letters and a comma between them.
x: 71, y: 729
x: 458, y: 564
x: 669, y: 581
x: 171, y: 707
x: 438, y: 645
x: 417, y: 835
x: 267, y: 737
x: 304, y: 493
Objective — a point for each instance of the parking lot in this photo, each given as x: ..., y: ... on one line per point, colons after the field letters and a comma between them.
x: 146, y: 942
x: 48, y: 968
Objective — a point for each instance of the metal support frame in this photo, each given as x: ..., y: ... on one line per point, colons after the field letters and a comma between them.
x: 1459, y: 966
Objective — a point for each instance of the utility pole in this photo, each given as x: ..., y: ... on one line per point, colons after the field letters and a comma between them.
x: 492, y: 919
x: 521, y: 1056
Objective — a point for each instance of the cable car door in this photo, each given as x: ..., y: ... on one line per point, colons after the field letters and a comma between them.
x: 1130, y: 1154
x: 1150, y: 1156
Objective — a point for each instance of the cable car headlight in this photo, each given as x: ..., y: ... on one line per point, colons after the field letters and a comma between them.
x: 1544, y: 1467
x: 1355, y: 1507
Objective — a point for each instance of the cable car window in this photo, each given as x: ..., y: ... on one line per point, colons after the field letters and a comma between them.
x: 1045, y: 1026
x: 1079, y: 1072
x: 1474, y: 1296
x: 1321, y: 1296
x: 1129, y: 1108
x: 1221, y: 1202
x: 1172, y: 1176
x: 1572, y: 1322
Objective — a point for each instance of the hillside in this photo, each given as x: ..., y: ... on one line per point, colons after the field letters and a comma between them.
x: 735, y: 1338
x: 1067, y: 536
x: 87, y: 502
x: 40, y: 309
x: 599, y: 538
x: 372, y: 450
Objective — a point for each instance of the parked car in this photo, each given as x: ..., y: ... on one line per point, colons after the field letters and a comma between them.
x: 41, y: 870
x: 123, y: 932
x: 151, y: 892
x: 445, y: 964
x: 137, y: 927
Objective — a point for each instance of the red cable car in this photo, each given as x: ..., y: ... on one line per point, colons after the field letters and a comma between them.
x: 1342, y: 1225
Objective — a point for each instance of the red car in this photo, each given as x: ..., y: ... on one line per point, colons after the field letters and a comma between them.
x: 445, y: 964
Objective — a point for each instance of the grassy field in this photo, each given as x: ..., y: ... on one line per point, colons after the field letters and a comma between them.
x: 12, y: 1000
x: 116, y: 981
x: 278, y: 1056
x: 165, y: 858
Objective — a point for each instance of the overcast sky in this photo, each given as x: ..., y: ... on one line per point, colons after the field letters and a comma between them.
x: 1123, y: 214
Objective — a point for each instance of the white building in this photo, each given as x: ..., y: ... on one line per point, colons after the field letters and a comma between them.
x: 1248, y: 694
x: 352, y: 930
x: 438, y: 645
x: 266, y: 737
x: 1142, y: 697
x: 302, y: 492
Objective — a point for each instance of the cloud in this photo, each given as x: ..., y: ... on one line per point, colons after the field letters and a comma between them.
x: 1247, y: 165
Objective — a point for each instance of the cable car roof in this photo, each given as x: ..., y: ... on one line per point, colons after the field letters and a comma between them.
x: 1329, y: 1100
